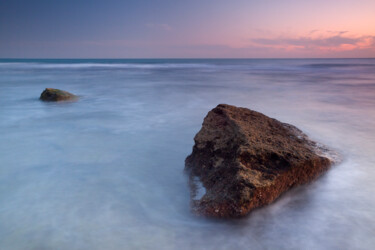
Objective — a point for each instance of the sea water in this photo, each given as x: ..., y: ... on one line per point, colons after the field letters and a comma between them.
x: 106, y: 172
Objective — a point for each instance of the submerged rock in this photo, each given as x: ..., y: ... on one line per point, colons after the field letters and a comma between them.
x: 50, y: 94
x: 246, y: 160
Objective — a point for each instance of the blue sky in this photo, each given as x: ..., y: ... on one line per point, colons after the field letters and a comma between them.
x: 163, y: 28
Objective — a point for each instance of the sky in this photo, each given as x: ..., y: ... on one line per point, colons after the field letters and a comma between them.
x: 187, y: 29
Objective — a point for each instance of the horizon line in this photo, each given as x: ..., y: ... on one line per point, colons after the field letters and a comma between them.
x: 177, y: 58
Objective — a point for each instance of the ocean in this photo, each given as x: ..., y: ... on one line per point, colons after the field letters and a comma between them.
x: 106, y: 172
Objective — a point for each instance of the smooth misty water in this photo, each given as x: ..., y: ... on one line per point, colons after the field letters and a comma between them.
x: 106, y: 172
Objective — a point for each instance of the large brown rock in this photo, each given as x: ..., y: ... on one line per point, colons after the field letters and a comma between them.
x: 54, y: 95
x: 246, y: 160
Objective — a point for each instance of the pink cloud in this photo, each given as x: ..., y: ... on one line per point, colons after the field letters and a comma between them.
x: 332, y: 41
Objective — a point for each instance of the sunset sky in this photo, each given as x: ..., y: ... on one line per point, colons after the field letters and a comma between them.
x: 187, y: 29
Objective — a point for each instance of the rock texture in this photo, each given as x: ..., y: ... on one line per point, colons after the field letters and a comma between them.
x: 246, y: 160
x: 55, y: 95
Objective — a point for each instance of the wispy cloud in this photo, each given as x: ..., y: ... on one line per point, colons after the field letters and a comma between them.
x: 159, y: 26
x: 331, y: 40
x: 314, y: 43
x: 308, y: 42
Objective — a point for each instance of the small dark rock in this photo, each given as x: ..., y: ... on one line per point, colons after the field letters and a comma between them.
x: 55, y: 95
x: 246, y: 160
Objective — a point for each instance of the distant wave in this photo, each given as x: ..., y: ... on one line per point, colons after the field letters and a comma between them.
x: 338, y: 65
x: 206, y: 66
x: 33, y: 65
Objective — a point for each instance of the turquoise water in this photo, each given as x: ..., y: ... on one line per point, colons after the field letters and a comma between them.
x: 106, y: 172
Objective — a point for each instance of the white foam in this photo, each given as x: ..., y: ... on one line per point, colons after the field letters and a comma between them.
x: 199, y: 189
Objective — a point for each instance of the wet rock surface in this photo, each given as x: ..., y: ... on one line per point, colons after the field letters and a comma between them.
x: 245, y: 160
x: 54, y: 95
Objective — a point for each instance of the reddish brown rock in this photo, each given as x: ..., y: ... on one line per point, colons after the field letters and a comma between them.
x: 246, y: 160
x: 55, y: 95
